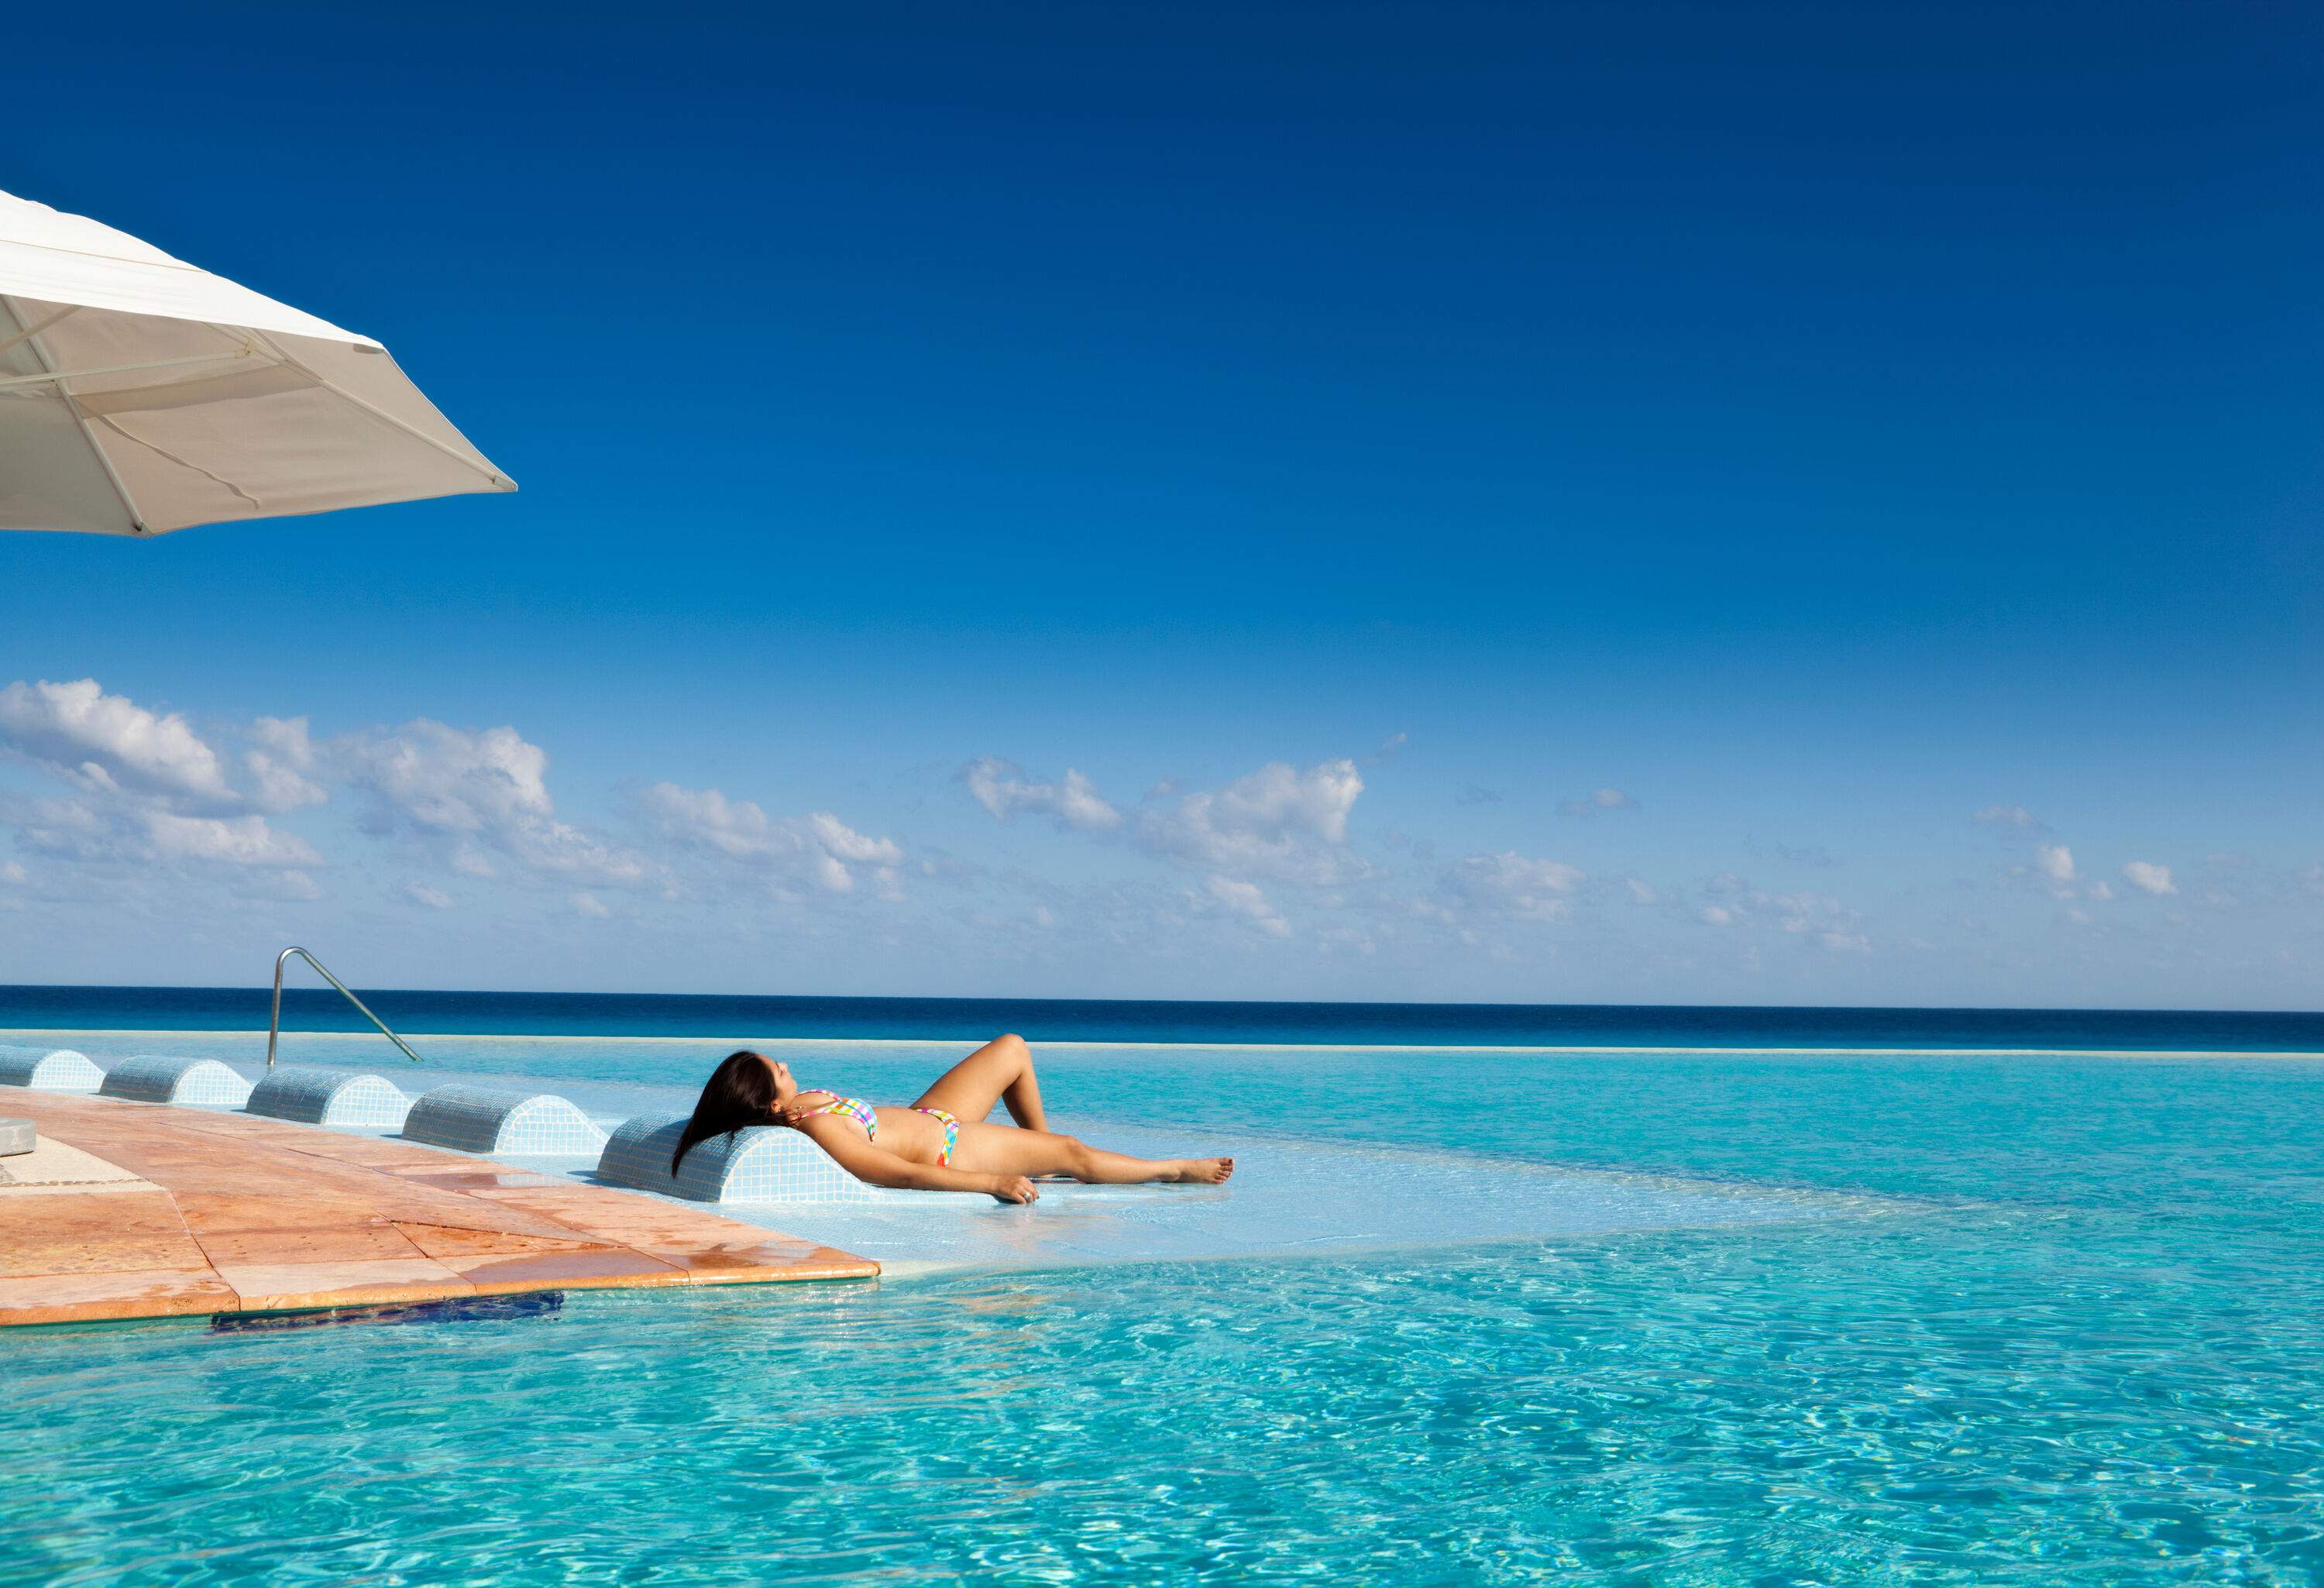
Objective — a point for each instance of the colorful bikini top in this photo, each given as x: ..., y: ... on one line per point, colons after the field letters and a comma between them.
x: 854, y: 1108
x: 861, y: 1112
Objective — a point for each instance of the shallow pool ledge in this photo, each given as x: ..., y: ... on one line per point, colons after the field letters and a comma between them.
x: 139, y: 1211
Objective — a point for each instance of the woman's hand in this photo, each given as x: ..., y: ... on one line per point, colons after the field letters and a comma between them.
x: 1013, y: 1188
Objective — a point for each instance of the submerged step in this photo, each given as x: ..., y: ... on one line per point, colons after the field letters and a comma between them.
x: 330, y: 1097
x: 760, y: 1164
x: 49, y: 1069
x: 189, y: 1083
x: 485, y: 1119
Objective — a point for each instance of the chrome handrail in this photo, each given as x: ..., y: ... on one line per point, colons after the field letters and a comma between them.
x: 274, y: 1026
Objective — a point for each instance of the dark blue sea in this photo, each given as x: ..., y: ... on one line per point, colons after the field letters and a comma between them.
x: 1451, y: 1025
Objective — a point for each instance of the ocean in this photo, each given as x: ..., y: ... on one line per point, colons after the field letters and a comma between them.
x: 1093, y: 1020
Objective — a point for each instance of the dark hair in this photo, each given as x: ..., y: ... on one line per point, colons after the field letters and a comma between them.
x: 739, y: 1091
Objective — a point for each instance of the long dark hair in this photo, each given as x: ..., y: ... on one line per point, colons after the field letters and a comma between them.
x: 739, y: 1091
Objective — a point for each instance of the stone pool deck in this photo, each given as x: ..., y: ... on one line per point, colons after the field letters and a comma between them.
x: 135, y: 1210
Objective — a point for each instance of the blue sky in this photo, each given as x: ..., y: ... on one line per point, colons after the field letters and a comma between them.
x: 1633, y: 503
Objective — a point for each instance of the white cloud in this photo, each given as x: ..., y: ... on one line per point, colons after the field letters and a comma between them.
x: 1277, y: 822
x: 1246, y: 899
x: 1512, y: 884
x: 1809, y: 918
x: 842, y: 842
x: 589, y: 906
x: 1002, y: 788
x: 1597, y: 800
x: 123, y: 832
x: 12, y: 872
x: 474, y: 794
x: 1800, y: 912
x: 107, y: 742
x: 280, y: 757
x: 739, y: 828
x: 818, y: 848
x: 2057, y: 861
x: 150, y: 795
x: 240, y: 840
x: 2100, y: 891
x: 2005, y: 815
x: 290, y: 884
x: 449, y: 780
x: 2149, y: 877
x: 1640, y: 893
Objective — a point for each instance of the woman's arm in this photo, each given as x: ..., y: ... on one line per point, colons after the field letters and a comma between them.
x: 878, y: 1166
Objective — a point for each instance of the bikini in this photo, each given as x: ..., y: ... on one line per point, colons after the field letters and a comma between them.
x: 862, y: 1112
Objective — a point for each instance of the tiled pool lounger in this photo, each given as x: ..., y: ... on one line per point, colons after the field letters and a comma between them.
x: 138, y: 1210
x: 481, y: 1119
x: 757, y: 1165
x: 329, y: 1097
x: 49, y: 1069
x: 162, y: 1078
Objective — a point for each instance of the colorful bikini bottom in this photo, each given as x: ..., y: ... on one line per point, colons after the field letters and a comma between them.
x: 951, y: 1133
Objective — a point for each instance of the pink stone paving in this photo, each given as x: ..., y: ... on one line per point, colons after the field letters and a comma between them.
x: 167, y: 1211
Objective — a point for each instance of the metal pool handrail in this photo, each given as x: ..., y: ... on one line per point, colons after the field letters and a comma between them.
x: 274, y: 1026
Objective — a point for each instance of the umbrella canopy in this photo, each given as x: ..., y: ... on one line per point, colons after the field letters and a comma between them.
x: 139, y: 394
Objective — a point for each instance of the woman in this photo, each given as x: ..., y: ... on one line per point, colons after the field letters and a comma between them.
x: 940, y: 1143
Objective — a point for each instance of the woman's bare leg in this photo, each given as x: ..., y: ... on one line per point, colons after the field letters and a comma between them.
x: 999, y: 1149
x: 1096, y: 1166
x: 1001, y: 1071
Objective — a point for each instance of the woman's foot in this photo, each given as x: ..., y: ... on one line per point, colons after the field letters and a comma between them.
x: 1200, y: 1171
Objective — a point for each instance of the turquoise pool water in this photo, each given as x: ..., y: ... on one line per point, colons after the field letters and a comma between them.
x: 2069, y: 1328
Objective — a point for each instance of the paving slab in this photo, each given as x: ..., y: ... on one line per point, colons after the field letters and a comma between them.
x: 137, y: 1210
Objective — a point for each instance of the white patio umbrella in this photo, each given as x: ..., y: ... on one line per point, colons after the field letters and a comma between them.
x: 139, y: 394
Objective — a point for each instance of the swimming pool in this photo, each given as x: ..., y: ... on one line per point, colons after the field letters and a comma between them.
x: 2037, y: 1319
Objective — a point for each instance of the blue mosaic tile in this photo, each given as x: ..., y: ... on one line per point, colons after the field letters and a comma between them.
x: 49, y: 1069
x: 761, y: 1164
x: 330, y: 1097
x: 482, y: 1119
x: 189, y: 1083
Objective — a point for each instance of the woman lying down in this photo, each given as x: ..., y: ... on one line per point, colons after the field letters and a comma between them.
x: 940, y: 1143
